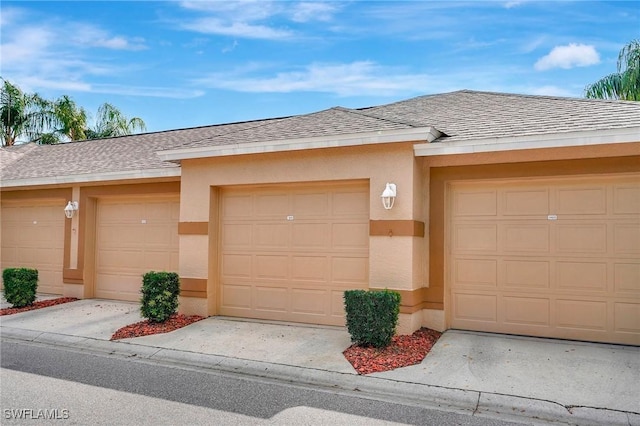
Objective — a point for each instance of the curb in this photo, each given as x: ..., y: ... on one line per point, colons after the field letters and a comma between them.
x: 470, y: 402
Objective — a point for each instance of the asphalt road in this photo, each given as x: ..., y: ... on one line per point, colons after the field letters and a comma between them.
x: 75, y: 387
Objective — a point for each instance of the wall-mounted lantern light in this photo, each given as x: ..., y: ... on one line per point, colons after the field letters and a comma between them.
x: 389, y: 196
x: 71, y: 209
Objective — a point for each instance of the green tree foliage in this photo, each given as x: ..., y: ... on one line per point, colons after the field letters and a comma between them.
x: 624, y: 84
x: 69, y: 122
x: 110, y: 122
x: 22, y: 115
x: 30, y: 118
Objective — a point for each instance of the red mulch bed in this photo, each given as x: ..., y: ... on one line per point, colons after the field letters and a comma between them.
x: 147, y: 328
x: 402, y: 352
x: 37, y: 305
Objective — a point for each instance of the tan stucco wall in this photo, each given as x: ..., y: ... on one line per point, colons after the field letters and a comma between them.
x: 394, y: 262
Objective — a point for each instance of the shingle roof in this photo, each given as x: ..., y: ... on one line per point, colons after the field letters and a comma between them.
x: 466, y: 114
x: 462, y: 115
x: 331, y: 122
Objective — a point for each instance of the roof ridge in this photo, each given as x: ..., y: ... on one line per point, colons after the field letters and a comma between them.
x: 360, y: 111
x: 557, y: 97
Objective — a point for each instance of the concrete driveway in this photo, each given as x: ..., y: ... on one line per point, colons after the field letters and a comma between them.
x: 566, y: 372
x: 93, y: 318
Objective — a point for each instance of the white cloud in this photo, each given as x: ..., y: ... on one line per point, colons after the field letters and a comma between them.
x: 569, y: 56
x: 50, y: 57
x: 147, y: 91
x: 254, y: 18
x: 306, y: 11
x: 356, y: 78
x: 512, y: 4
x: 85, y: 35
x: 550, y: 91
x: 236, y: 29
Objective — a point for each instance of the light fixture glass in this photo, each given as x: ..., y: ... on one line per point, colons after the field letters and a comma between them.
x: 71, y: 209
x: 389, y: 196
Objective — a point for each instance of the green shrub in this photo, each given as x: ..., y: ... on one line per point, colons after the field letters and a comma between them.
x: 372, y: 316
x: 160, y: 291
x: 20, y: 285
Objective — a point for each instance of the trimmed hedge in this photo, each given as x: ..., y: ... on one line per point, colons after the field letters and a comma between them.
x: 372, y: 316
x: 20, y: 286
x: 160, y: 291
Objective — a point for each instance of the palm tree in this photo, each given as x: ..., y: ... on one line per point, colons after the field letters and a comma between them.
x: 624, y: 84
x: 69, y: 122
x: 110, y: 122
x: 32, y: 118
x: 22, y: 115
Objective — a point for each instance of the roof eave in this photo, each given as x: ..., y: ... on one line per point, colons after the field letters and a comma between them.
x: 165, y: 172
x: 427, y: 134
x: 542, y: 141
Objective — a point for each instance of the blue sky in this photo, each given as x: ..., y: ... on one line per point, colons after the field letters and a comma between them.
x: 179, y: 64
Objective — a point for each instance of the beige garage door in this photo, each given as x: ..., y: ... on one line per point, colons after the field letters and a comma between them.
x: 288, y: 253
x: 33, y: 237
x: 134, y: 237
x: 554, y: 258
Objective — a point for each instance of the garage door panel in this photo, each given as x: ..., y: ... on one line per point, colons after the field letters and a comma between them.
x: 237, y: 206
x: 531, y: 311
x: 475, y: 307
x: 522, y: 237
x: 479, y: 238
x: 120, y: 287
x: 569, y: 269
x: 271, y: 236
x: 352, y: 271
x: 581, y: 238
x: 310, y: 205
x: 475, y: 272
x: 337, y: 304
x: 475, y: 203
x: 627, y: 317
x: 300, y: 247
x: 274, y: 299
x: 236, y: 296
x: 585, y: 314
x: 134, y: 237
x: 237, y: 236
x: 309, y: 301
x: 268, y: 205
x: 349, y: 203
x: 627, y: 278
x: 350, y: 236
x: 236, y: 265
x: 525, y: 202
x: 161, y: 236
x: 272, y: 266
x: 309, y: 268
x: 33, y: 237
x: 626, y: 199
x: 581, y: 201
x: 119, y: 259
x: 311, y: 236
x: 626, y: 239
x: 587, y: 276
x: 526, y: 274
